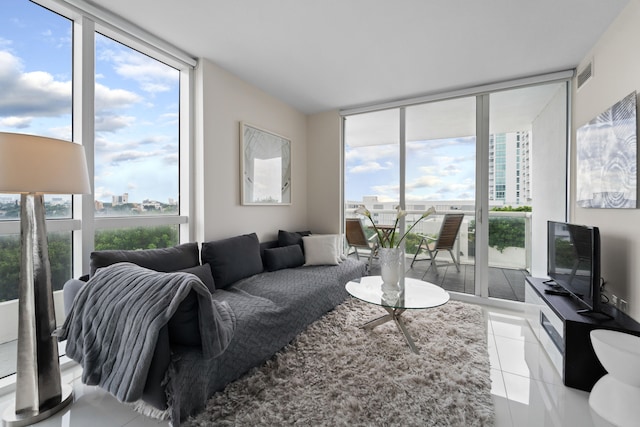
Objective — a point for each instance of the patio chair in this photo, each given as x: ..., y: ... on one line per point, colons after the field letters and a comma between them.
x: 356, y: 239
x: 445, y: 241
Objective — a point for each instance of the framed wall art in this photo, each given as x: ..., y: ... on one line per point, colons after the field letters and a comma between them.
x: 265, y: 168
x: 607, y: 158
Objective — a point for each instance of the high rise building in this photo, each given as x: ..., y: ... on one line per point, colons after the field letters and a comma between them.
x: 509, y: 168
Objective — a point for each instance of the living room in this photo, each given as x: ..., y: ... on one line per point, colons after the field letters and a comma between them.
x: 223, y: 99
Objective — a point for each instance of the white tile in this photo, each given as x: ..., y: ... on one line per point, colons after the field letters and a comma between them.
x: 494, y: 360
x: 510, y: 326
x: 503, y: 415
x: 511, y: 353
x: 497, y: 383
x: 143, y: 421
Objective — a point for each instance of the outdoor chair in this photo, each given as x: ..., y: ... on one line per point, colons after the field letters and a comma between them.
x: 445, y: 241
x: 357, y: 240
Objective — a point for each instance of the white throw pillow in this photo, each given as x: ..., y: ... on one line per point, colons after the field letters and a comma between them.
x: 321, y: 249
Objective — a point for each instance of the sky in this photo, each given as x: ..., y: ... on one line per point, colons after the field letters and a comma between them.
x: 441, y: 169
x: 136, y: 101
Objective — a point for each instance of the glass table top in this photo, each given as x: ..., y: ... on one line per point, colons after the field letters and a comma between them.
x: 414, y: 294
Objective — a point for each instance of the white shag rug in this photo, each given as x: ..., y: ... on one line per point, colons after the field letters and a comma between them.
x: 338, y: 374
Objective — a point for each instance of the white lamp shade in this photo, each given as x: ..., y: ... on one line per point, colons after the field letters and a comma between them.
x: 36, y: 164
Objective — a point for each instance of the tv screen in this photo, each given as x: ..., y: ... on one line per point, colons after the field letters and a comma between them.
x: 574, y: 260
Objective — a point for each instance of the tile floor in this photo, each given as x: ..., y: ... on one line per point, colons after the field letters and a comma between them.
x: 526, y: 389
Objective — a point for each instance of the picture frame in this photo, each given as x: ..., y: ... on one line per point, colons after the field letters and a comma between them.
x: 265, y: 167
x: 607, y: 158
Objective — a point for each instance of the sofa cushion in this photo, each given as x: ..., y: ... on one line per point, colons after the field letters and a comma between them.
x: 321, y: 249
x: 184, y: 326
x: 288, y: 238
x: 232, y: 259
x: 286, y: 257
x: 164, y: 260
x: 203, y: 272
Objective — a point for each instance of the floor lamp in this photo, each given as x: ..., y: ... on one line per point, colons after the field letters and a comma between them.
x: 33, y: 166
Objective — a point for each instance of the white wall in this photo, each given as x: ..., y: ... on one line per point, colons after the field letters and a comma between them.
x: 223, y: 101
x: 616, y: 74
x: 324, y: 172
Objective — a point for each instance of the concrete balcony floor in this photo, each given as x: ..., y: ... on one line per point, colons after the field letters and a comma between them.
x: 504, y: 283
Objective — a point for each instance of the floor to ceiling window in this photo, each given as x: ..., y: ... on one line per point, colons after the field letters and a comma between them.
x: 502, y: 152
x: 66, y: 74
x: 136, y: 145
x: 35, y: 77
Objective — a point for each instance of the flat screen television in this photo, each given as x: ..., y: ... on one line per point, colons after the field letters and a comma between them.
x: 573, y: 261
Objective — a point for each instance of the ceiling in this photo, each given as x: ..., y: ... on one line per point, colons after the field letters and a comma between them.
x: 319, y: 55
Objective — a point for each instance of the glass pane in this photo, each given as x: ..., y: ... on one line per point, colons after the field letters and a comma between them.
x: 372, y: 169
x: 137, y: 133
x: 35, y: 77
x: 163, y: 236
x: 59, y: 257
x: 525, y: 124
x: 440, y: 172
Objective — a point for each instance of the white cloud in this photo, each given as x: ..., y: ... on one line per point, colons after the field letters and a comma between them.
x: 153, y: 76
x: 16, y: 122
x: 112, y: 99
x: 369, y: 167
x: 34, y: 93
x: 111, y: 123
x: 26, y: 95
x: 426, y: 181
x: 372, y: 153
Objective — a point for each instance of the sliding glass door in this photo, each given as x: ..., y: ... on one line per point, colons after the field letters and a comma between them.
x: 527, y: 182
x: 441, y: 172
x: 498, y: 158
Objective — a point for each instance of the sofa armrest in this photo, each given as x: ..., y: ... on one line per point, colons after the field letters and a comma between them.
x: 69, y: 292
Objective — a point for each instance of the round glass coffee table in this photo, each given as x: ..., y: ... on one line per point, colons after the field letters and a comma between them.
x: 414, y: 294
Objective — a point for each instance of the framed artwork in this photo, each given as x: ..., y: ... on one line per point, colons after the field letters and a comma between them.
x: 265, y: 169
x: 607, y: 158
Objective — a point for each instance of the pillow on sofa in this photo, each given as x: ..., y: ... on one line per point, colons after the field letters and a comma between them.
x: 184, y: 325
x: 232, y: 259
x: 321, y: 249
x: 286, y: 257
x: 288, y: 238
x: 203, y: 272
x: 164, y: 260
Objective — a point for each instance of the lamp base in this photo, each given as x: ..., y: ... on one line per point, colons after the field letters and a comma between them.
x: 11, y: 419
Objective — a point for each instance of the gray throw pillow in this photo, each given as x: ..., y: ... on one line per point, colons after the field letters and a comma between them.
x: 232, y: 259
x: 184, y: 326
x: 203, y: 272
x: 285, y: 257
x: 288, y: 238
x: 164, y: 259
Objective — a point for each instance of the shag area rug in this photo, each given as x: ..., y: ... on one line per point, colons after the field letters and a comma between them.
x: 337, y: 374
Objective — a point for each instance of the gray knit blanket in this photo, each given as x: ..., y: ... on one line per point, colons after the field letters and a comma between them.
x: 113, y: 325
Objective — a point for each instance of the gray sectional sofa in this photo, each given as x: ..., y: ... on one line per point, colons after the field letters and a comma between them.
x: 273, y: 296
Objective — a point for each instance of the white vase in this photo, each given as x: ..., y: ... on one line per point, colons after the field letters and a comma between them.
x: 390, y: 265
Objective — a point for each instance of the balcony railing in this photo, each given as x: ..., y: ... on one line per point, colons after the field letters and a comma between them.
x: 510, y: 234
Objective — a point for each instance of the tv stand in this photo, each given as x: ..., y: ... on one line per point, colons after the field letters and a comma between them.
x: 564, y: 333
x: 587, y: 312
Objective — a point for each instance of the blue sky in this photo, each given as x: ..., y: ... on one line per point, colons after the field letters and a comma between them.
x: 136, y: 101
x: 442, y: 169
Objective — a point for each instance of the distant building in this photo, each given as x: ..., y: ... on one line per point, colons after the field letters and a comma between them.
x: 509, y: 168
x: 120, y: 200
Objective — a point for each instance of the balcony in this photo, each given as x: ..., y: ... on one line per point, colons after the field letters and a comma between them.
x: 509, y: 257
